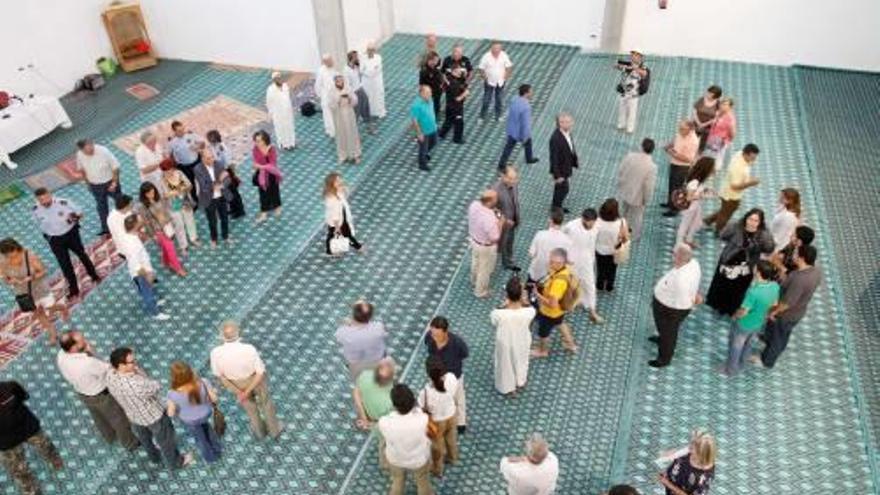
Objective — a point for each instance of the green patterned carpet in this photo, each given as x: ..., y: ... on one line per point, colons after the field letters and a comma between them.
x: 800, y: 429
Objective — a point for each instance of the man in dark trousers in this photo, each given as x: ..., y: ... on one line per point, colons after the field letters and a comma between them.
x: 508, y: 205
x: 519, y: 126
x: 19, y: 426
x: 456, y: 93
x: 563, y: 159
x: 453, y: 350
x: 58, y: 220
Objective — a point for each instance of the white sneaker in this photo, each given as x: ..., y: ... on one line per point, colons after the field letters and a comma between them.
x: 162, y: 317
x: 11, y: 165
x: 188, y: 459
x: 160, y: 302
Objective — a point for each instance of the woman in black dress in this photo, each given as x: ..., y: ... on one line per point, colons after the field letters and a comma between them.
x: 267, y: 175
x: 746, y: 241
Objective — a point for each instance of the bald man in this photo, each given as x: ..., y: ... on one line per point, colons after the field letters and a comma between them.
x: 484, y: 231
x: 424, y: 123
x: 675, y: 294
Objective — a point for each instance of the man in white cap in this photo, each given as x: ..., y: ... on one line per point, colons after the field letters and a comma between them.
x: 324, y: 83
x: 373, y: 83
x: 633, y: 84
x: 280, y: 108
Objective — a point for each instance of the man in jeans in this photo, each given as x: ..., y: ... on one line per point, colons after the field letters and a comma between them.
x: 88, y: 376
x: 424, y: 123
x: 143, y: 402
x: 797, y: 291
x: 519, y: 127
x: 407, y: 446
x: 139, y: 267
x: 101, y: 172
x: 241, y: 370
x: 495, y: 67
x: 19, y: 426
x: 737, y: 180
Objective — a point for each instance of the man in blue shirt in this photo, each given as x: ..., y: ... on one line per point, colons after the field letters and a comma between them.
x: 424, y: 122
x: 58, y: 220
x: 519, y: 126
x: 452, y: 350
x: 184, y: 147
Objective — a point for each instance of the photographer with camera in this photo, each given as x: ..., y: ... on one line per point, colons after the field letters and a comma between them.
x: 634, y: 81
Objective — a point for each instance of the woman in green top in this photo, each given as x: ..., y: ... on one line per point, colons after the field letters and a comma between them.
x: 749, y: 319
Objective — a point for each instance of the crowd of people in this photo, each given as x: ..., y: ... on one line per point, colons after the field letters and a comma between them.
x: 764, y: 278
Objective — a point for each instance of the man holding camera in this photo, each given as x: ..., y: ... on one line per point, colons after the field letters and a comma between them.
x: 634, y: 81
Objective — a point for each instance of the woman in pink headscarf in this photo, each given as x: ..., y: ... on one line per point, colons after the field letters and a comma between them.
x: 267, y: 176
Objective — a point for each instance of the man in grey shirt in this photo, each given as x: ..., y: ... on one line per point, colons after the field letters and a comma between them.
x: 508, y: 203
x: 797, y: 291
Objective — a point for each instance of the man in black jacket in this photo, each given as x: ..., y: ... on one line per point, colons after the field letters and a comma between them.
x: 563, y: 158
x: 18, y: 426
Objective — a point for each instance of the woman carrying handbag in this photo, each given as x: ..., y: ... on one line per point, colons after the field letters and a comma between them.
x: 194, y: 402
x: 612, y: 244
x: 155, y: 212
x: 438, y: 401
x: 25, y: 273
x: 337, y: 214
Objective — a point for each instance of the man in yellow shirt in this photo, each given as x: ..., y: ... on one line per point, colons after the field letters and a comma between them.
x: 550, y: 310
x: 737, y: 180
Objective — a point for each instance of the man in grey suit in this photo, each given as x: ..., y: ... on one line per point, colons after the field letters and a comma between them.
x: 508, y: 203
x: 635, y: 185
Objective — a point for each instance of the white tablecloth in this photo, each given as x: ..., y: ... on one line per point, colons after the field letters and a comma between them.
x: 23, y: 123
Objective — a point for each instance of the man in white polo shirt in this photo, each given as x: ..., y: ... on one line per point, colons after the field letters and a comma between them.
x: 495, y: 68
x: 534, y: 473
x: 101, y: 171
x: 241, y: 370
x: 407, y: 446
x: 88, y: 377
x: 675, y: 294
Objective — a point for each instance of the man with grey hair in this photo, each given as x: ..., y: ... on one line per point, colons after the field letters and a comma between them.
x: 550, y: 293
x: 148, y: 157
x: 242, y: 372
x: 484, y: 231
x: 675, y: 294
x: 563, y: 159
x: 508, y: 205
x: 534, y: 473
x: 372, y: 399
x: 100, y: 171
x: 324, y: 84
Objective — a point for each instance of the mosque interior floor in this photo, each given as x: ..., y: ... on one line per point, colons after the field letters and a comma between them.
x: 808, y: 426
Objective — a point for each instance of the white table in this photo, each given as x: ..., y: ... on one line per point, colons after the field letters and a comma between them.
x: 21, y: 123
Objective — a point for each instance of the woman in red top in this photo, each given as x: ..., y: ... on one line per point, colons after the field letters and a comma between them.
x: 267, y: 176
x: 722, y: 133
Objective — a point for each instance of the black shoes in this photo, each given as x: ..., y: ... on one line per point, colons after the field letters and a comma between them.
x: 670, y: 214
x: 654, y: 338
x: 513, y: 268
x: 657, y: 364
x: 533, y: 160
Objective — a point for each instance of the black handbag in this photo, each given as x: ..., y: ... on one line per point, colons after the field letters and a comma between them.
x: 26, y: 302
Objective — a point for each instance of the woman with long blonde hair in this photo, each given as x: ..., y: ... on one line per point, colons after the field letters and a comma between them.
x: 786, y: 218
x: 337, y: 213
x: 192, y: 399
x: 693, y: 468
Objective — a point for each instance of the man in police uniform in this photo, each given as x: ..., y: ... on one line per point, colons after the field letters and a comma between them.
x: 58, y: 220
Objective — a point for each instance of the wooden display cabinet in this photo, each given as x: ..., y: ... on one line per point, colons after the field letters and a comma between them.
x: 128, y: 35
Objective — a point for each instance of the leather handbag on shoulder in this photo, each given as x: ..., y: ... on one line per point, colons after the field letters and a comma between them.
x: 26, y: 301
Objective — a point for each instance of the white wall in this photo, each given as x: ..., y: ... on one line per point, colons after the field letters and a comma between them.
x: 572, y: 22
x: 62, y: 39
x: 362, y: 22
x: 259, y: 33
x: 832, y: 33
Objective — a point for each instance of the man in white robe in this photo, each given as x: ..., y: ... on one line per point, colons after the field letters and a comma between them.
x: 583, y: 232
x: 373, y: 84
x: 280, y: 109
x: 323, y: 85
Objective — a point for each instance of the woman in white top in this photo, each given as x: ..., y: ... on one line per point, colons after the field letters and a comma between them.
x: 513, y: 339
x: 437, y: 399
x: 696, y: 189
x: 337, y: 212
x: 787, y: 217
x: 612, y: 234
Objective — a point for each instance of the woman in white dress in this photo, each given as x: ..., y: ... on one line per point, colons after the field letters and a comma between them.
x: 513, y: 339
x: 787, y: 217
x: 337, y: 212
x: 696, y: 189
x: 374, y: 86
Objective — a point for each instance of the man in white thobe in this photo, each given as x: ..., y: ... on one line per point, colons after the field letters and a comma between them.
x: 583, y: 232
x: 374, y: 85
x: 324, y: 84
x: 280, y: 109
